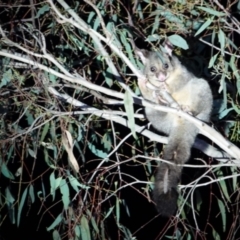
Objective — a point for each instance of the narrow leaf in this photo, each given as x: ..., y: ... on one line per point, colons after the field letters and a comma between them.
x: 128, y: 104
x: 212, y: 11
x: 221, y: 39
x: 21, y: 205
x: 65, y: 193
x: 204, y: 26
x: 97, y: 152
x: 75, y: 184
x: 223, y: 214
x: 31, y: 193
x: 109, y: 212
x: 56, y: 222
x: 5, y: 171
x: 85, y: 231
x: 178, y: 41
x: 56, y: 235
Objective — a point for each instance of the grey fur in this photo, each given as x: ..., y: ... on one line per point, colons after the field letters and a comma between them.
x: 166, y: 73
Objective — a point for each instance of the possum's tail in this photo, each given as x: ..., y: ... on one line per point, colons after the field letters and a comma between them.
x: 177, y: 151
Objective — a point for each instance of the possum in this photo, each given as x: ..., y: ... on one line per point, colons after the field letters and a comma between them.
x: 164, y: 72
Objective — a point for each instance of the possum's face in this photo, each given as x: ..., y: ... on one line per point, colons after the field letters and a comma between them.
x: 157, y: 68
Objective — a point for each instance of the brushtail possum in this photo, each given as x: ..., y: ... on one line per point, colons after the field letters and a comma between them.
x: 164, y: 72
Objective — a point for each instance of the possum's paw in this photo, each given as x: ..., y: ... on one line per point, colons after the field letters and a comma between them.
x: 186, y: 109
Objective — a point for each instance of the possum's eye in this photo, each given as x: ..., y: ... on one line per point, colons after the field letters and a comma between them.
x: 153, y: 69
x: 165, y: 66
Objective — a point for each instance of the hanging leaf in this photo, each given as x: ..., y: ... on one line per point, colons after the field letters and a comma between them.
x: 128, y: 104
x: 64, y: 189
x: 85, y: 230
x: 56, y: 222
x: 178, y: 41
x: 23, y: 199
x: 204, y: 26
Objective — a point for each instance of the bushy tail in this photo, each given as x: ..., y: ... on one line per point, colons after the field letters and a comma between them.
x: 177, y: 150
x: 165, y: 193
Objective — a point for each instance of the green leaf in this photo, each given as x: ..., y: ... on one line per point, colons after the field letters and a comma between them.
x: 215, y: 234
x: 9, y: 197
x: 127, y: 46
x: 108, y: 76
x: 21, y: 205
x: 223, y: 87
x: 93, y: 222
x: 126, y: 208
x: 56, y: 222
x: 97, y: 152
x: 64, y: 189
x: 6, y: 78
x: 155, y: 24
x: 6, y: 172
x: 75, y: 183
x: 235, y: 71
x: 212, y: 11
x: 212, y: 60
x: 52, y: 78
x: 44, y: 131
x: 29, y: 117
x: 238, y: 6
x: 85, y: 231
x: 168, y: 15
x: 221, y: 39
x: 43, y: 10
x: 90, y: 17
x: 224, y: 187
x: 31, y: 152
x: 112, y: 29
x: 178, y: 41
x: 107, y: 141
x: 117, y: 211
x: 235, y: 107
x: 153, y: 38
x: 80, y: 133
x: 96, y: 23
x: 43, y: 188
x: 140, y: 10
x: 234, y: 178
x: 103, y: 230
x: 56, y: 235
x: 204, y: 26
x: 109, y: 212
x: 225, y: 113
x: 54, y: 184
x: 31, y: 193
x: 128, y: 104
x: 198, y: 200
x: 223, y: 214
x: 77, y: 231
x: 10, y: 204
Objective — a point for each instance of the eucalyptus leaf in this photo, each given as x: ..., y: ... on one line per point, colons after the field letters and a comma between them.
x: 85, y: 230
x: 128, y: 104
x: 64, y: 189
x: 178, y: 41
x: 22, y: 202
x: 212, y: 11
x: 204, y: 26
x: 56, y: 222
x: 222, y: 208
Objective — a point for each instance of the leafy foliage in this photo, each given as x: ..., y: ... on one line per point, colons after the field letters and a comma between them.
x: 72, y: 161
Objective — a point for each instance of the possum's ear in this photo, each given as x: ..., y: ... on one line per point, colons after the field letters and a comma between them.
x: 168, y: 47
x: 143, y: 54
